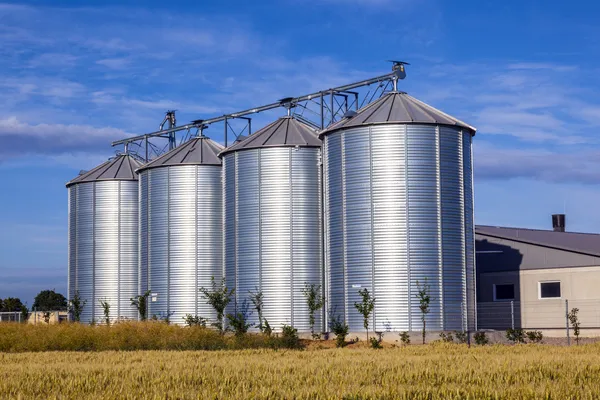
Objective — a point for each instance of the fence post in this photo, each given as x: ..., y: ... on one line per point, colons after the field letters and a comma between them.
x: 512, y: 314
x: 567, y: 319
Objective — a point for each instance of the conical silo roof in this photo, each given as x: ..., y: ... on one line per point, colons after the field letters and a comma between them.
x: 284, y: 132
x: 197, y: 151
x: 398, y: 108
x: 119, y: 168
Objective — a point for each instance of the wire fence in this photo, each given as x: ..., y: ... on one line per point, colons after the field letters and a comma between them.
x: 6, y: 316
x: 538, y: 315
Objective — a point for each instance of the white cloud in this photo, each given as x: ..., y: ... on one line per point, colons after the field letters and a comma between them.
x: 20, y: 138
x: 115, y: 63
x: 497, y: 162
x: 542, y: 66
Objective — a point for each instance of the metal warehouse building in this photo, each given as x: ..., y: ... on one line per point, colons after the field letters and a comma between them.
x: 530, y: 278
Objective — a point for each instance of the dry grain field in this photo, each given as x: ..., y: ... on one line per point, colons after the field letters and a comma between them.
x: 413, y: 372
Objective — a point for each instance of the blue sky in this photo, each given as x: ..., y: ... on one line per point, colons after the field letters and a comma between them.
x: 75, y: 77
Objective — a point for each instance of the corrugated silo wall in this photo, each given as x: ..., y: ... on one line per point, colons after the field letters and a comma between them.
x: 180, y: 238
x: 396, y: 214
x: 103, y: 247
x: 273, y: 232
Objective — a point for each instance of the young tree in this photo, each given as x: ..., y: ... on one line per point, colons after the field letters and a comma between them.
x: 424, y: 302
x: 219, y: 297
x: 141, y: 303
x: 315, y: 301
x: 24, y: 313
x: 365, y: 307
x: 76, y: 305
x: 239, y: 321
x: 574, y: 320
x: 49, y: 300
x: 106, y: 310
x: 257, y: 300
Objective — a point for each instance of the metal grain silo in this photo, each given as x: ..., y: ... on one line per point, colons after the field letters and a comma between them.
x: 181, y: 233
x: 103, y: 238
x: 399, y: 209
x: 273, y: 229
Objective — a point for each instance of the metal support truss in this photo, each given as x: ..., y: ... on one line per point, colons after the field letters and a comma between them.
x: 320, y: 110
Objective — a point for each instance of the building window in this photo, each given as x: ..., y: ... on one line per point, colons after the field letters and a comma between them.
x: 504, y: 292
x: 549, y: 290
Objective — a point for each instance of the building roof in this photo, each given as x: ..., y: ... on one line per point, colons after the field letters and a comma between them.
x: 398, y: 108
x: 197, y: 151
x: 119, y: 168
x: 583, y: 243
x: 284, y: 132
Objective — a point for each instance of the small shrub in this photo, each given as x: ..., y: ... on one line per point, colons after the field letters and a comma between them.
x: 534, y: 336
x: 447, y: 337
x: 461, y: 337
x: 375, y: 343
x: 340, y: 329
x: 481, y: 338
x: 515, y: 335
x: 405, y: 338
x: 239, y: 323
x: 194, y: 320
x: 289, y: 337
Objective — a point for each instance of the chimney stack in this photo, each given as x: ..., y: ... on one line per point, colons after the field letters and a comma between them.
x: 558, y: 222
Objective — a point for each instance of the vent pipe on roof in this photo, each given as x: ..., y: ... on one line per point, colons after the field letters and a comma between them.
x: 558, y: 222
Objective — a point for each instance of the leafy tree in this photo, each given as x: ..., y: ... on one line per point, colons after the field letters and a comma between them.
x: 49, y: 300
x: 141, y: 303
x: 76, y: 305
x: 257, y: 300
x: 11, y: 304
x: 14, y: 304
x: 424, y: 302
x: 315, y: 301
x: 106, y: 310
x: 219, y: 297
x: 365, y: 307
x: 574, y: 320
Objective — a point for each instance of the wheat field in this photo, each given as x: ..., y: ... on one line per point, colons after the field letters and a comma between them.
x: 414, y: 372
